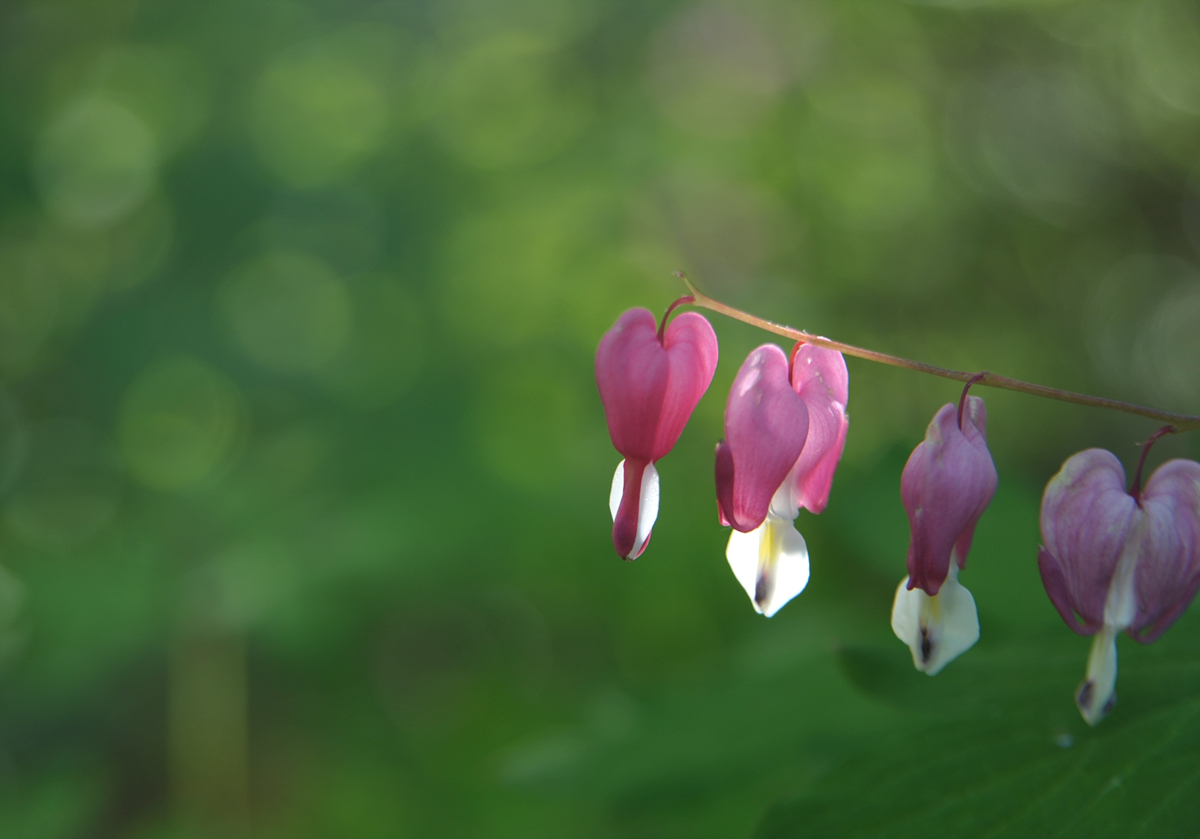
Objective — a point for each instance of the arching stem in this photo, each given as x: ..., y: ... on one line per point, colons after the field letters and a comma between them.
x: 662, y: 327
x: 1181, y: 422
x: 962, y: 400
x: 1136, y: 489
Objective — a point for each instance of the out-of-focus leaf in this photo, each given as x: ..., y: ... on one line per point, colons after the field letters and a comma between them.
x: 994, y: 747
x: 57, y: 805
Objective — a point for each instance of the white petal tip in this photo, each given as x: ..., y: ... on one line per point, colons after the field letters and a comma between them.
x: 618, y: 490
x: 647, y: 510
x: 647, y: 504
x: 936, y: 629
x: 1097, y: 695
x: 1092, y: 702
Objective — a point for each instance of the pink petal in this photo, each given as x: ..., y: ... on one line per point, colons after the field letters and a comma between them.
x: 691, y: 348
x: 766, y: 424
x: 1054, y: 578
x: 1168, y: 570
x: 947, y: 484
x: 1085, y: 520
x: 649, y: 391
x: 724, y: 475
x: 820, y: 377
x: 631, y: 372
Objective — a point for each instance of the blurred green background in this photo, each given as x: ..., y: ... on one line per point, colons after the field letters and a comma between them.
x: 303, y: 473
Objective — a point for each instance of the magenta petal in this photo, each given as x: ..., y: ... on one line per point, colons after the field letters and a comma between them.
x: 947, y: 484
x: 724, y: 475
x: 649, y: 391
x: 691, y: 348
x: 766, y: 424
x: 1085, y: 520
x: 631, y: 372
x: 820, y: 377
x: 1168, y: 569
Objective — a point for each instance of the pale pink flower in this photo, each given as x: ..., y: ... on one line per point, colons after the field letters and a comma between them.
x: 1115, y: 560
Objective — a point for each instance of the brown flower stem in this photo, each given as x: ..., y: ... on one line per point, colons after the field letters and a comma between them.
x: 662, y: 327
x: 1136, y: 489
x: 1181, y: 422
x: 962, y: 400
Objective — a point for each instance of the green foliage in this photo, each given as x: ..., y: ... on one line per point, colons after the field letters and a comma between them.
x: 994, y: 747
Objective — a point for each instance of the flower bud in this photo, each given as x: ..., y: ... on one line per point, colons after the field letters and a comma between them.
x: 946, y: 485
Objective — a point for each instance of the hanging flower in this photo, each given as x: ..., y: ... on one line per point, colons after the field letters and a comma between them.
x: 947, y: 484
x: 650, y: 381
x: 1116, y: 560
x: 785, y: 427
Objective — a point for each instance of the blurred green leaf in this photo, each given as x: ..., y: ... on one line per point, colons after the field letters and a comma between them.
x: 994, y: 747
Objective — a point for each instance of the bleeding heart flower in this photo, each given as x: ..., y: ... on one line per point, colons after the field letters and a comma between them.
x: 785, y: 427
x: 650, y: 382
x: 947, y: 484
x: 1116, y: 560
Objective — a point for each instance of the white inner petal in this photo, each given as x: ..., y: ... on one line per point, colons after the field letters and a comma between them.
x: 906, y: 609
x: 937, y: 629
x: 770, y: 562
x: 742, y: 553
x: 618, y: 490
x: 783, y: 503
x: 1095, y: 696
x: 647, y: 509
x: 1120, y: 606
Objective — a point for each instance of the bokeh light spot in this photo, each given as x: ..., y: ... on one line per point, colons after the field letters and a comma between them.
x: 1166, y: 46
x: 165, y: 86
x: 1123, y: 311
x: 1168, y: 345
x: 243, y: 583
x: 178, y: 422
x: 509, y: 271
x: 318, y: 114
x: 96, y: 163
x: 503, y: 103
x: 289, y: 312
